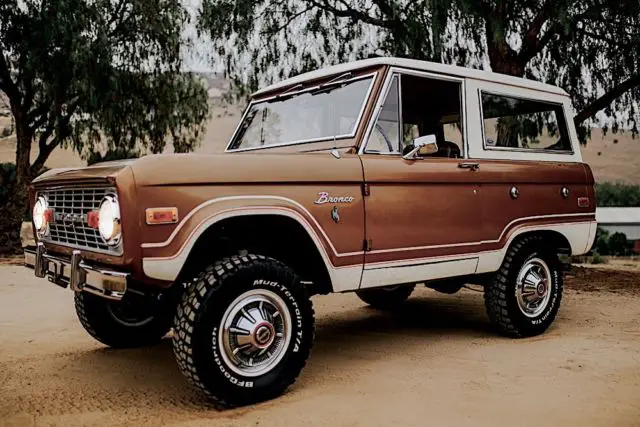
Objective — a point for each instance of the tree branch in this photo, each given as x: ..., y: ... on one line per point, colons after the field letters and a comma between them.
x: 606, y: 99
x: 384, y: 7
x: 350, y: 13
x: 43, y: 155
x: 288, y: 21
x: 39, y: 111
x: 46, y: 149
x: 532, y: 43
x: 7, y: 85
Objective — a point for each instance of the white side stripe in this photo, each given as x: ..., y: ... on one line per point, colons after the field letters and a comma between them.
x: 335, y: 252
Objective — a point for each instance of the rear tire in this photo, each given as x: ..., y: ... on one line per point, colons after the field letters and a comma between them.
x: 524, y: 296
x: 386, y: 298
x: 122, y: 324
x: 243, y: 330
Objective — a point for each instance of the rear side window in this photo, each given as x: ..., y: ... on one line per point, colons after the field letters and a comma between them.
x: 523, y: 124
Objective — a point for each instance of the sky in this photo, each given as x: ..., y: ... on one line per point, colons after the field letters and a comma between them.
x: 197, y: 57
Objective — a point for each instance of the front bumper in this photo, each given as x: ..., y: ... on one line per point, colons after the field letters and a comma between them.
x: 76, y: 273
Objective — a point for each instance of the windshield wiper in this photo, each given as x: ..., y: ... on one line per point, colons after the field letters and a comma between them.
x: 332, y: 84
x: 289, y: 93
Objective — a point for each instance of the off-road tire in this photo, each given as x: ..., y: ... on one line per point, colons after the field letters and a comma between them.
x: 99, y: 319
x: 198, y: 322
x: 386, y: 298
x: 500, y: 294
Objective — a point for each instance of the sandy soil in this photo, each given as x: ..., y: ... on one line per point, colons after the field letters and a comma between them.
x: 435, y: 362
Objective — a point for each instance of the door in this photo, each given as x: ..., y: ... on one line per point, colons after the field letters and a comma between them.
x: 422, y: 217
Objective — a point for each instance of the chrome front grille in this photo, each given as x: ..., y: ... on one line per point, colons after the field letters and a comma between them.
x: 69, y: 226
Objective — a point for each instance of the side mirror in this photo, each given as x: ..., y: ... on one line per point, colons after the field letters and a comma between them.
x: 421, y: 146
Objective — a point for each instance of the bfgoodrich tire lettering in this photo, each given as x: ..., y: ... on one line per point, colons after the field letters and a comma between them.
x: 502, y: 293
x: 198, y: 328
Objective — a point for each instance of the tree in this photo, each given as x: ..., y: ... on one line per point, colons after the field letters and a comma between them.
x: 601, y: 242
x: 618, y: 244
x: 617, y: 194
x: 93, y: 75
x: 589, y: 47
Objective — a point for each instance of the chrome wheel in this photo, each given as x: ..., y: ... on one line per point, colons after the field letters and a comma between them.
x: 255, y: 332
x: 533, y: 287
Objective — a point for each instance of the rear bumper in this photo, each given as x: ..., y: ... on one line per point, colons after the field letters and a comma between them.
x: 76, y: 273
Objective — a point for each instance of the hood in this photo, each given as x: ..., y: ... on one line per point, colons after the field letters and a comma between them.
x: 225, y: 168
x: 100, y: 172
x: 245, y: 168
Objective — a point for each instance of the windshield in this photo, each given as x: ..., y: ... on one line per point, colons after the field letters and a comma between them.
x: 316, y: 114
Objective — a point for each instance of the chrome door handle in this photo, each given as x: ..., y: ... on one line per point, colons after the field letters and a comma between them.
x: 472, y: 166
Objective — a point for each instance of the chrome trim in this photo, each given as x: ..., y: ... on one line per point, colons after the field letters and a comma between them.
x: 400, y: 116
x: 382, y: 96
x: 514, y: 192
x: 114, y: 240
x: 534, y: 287
x: 84, y: 235
x: 255, y: 332
x: 358, y: 122
x: 76, y: 274
x: 44, y: 231
x: 39, y: 265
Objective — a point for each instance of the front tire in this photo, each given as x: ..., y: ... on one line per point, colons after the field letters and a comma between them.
x: 386, y: 298
x: 123, y: 324
x: 523, y: 298
x: 243, y: 330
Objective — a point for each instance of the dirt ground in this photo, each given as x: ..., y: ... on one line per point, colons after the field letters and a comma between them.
x: 435, y: 362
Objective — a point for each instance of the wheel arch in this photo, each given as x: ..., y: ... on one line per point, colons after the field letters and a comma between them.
x: 282, y: 235
x: 551, y: 238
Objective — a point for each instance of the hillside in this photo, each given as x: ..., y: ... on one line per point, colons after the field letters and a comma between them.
x: 612, y: 157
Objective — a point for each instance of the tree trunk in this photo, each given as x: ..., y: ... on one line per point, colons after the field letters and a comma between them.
x: 15, y: 210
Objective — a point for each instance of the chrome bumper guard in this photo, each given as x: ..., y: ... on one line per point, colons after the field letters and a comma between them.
x: 76, y: 274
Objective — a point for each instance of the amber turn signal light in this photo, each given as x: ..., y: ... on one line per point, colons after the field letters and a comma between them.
x: 161, y: 215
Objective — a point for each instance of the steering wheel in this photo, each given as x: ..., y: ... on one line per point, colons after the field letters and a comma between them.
x: 384, y: 136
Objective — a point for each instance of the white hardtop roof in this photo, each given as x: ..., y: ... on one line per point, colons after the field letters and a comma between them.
x: 618, y: 215
x: 432, y: 67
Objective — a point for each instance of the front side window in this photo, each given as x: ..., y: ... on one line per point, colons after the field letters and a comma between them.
x: 523, y: 124
x: 418, y: 106
x: 320, y: 113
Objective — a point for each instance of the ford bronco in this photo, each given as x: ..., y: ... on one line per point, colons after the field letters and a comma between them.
x: 371, y: 177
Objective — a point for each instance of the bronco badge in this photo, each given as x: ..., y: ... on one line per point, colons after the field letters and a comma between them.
x: 323, y: 197
x: 335, y: 214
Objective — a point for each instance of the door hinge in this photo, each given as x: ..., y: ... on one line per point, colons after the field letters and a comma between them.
x: 366, y: 245
x: 366, y: 190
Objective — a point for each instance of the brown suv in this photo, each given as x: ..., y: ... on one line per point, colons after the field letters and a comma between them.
x: 372, y: 176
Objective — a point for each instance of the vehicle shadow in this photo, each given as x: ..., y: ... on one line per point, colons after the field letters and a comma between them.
x: 422, y: 319
x: 341, y: 336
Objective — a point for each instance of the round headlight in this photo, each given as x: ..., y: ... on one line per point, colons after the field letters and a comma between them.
x: 39, y: 218
x: 109, y: 220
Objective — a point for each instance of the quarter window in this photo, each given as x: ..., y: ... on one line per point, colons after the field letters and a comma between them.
x: 523, y: 124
